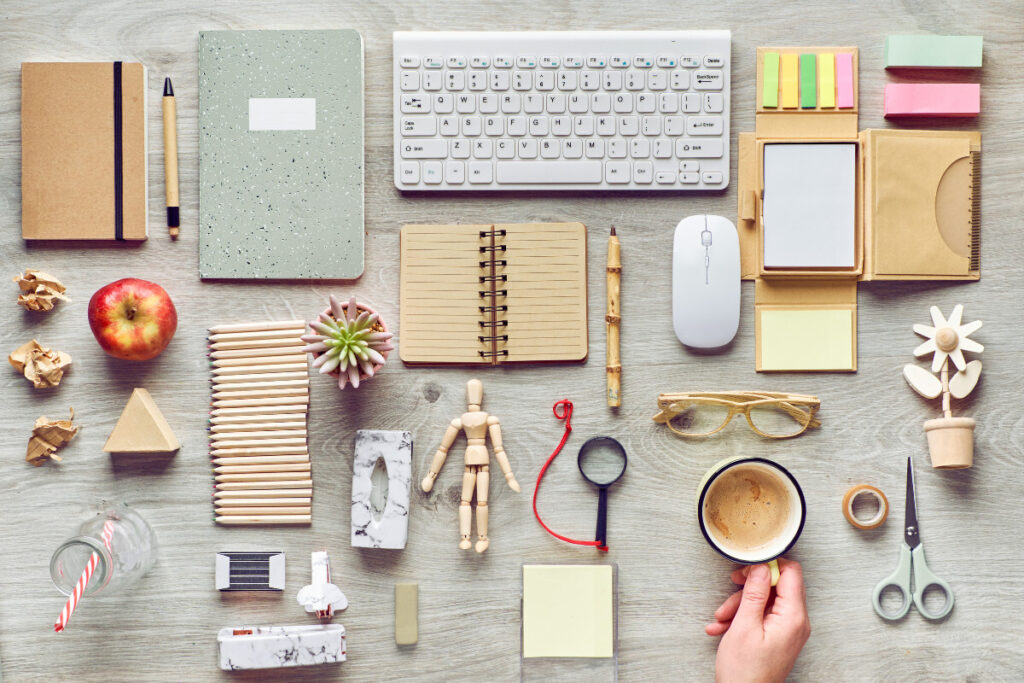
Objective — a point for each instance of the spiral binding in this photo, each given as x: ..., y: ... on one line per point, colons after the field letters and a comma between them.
x: 494, y: 338
x: 499, y: 263
x: 494, y: 309
x: 494, y: 278
x: 493, y: 354
x: 493, y: 233
x: 493, y: 247
x: 492, y: 324
x: 498, y: 292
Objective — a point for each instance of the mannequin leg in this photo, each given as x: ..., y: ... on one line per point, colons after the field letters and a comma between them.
x: 465, y: 511
x: 482, y: 485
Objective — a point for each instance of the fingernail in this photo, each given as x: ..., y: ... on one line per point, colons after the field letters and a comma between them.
x: 746, y: 570
x: 760, y: 572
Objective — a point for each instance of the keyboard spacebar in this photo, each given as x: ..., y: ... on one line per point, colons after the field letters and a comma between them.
x: 548, y: 172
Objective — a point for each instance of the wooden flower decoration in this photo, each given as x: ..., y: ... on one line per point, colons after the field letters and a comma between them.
x: 947, y: 340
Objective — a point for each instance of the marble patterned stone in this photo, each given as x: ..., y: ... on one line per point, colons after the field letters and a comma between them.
x: 391, y: 529
x: 272, y: 647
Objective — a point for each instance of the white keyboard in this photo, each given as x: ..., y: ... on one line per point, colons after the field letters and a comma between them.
x: 561, y: 110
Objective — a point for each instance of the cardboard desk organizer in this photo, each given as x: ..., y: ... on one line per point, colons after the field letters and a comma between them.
x: 842, y: 207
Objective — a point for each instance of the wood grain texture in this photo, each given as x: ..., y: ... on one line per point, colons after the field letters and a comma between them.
x: 670, y: 582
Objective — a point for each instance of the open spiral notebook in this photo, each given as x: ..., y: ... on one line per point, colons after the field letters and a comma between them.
x: 493, y: 294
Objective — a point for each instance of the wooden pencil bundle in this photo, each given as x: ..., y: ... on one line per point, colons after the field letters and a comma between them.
x: 258, y: 436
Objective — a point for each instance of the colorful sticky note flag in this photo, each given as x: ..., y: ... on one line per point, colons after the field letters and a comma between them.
x: 844, y: 80
x: 827, y: 80
x: 770, y: 80
x: 790, y: 81
x: 808, y: 82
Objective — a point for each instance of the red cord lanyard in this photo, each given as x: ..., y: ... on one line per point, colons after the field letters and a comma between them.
x: 565, y: 414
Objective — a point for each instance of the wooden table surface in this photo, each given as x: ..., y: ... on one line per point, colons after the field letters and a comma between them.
x: 670, y: 582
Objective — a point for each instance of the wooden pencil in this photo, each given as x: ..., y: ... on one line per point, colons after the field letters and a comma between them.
x: 254, y: 371
x: 250, y: 487
x: 263, y: 502
x: 260, y: 411
x: 274, y: 477
x: 262, y: 444
x: 261, y: 427
x: 248, y: 361
x: 266, y: 494
x: 263, y: 469
x: 272, y: 392
x: 258, y: 520
x: 259, y: 450
x: 257, y: 344
x: 299, y: 372
x: 264, y: 382
x: 257, y: 334
x: 261, y: 459
x: 291, y: 350
x: 269, y: 510
x: 258, y: 327
x: 260, y: 401
x: 260, y: 434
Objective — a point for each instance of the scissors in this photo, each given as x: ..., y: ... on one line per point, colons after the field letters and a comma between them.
x: 912, y: 563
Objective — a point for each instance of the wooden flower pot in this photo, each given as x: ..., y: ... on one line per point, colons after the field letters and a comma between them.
x: 951, y: 442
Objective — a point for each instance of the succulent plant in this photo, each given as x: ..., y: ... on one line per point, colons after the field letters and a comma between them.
x: 348, y: 341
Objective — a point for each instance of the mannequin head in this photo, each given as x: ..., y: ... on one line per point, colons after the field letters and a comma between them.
x: 474, y: 394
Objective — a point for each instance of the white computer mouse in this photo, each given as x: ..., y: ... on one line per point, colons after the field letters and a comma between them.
x: 706, y: 281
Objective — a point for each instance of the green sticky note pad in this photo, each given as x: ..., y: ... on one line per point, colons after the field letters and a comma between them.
x: 568, y: 610
x: 770, y: 80
x: 808, y: 81
x: 933, y: 52
x: 806, y: 339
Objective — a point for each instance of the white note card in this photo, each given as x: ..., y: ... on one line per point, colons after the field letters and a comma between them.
x: 808, y: 211
x: 282, y: 113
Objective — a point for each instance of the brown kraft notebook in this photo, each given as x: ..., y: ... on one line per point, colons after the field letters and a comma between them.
x: 83, y: 151
x: 493, y: 294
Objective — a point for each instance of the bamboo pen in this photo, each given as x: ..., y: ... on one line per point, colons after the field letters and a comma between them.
x: 171, y: 159
x: 612, y: 322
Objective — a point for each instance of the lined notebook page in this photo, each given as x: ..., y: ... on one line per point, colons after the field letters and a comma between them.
x: 547, y: 292
x: 439, y: 314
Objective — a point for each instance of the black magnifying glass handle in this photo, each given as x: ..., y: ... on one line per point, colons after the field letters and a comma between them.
x: 602, y: 518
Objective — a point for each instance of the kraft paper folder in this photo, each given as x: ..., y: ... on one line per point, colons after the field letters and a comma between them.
x: 83, y: 151
x: 493, y: 294
x: 916, y: 217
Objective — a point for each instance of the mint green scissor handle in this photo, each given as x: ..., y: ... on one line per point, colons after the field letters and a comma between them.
x: 912, y: 560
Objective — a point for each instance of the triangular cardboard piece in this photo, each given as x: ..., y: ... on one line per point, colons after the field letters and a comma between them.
x: 141, y: 428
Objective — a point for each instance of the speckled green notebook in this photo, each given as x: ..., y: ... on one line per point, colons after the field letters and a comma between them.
x: 280, y: 154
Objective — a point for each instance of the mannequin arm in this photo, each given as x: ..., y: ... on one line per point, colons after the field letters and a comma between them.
x: 494, y: 427
x: 442, y: 452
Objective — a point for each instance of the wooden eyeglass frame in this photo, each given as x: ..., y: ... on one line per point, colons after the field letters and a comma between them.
x: 742, y: 402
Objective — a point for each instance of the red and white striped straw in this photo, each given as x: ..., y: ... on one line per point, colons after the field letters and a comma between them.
x: 83, y: 580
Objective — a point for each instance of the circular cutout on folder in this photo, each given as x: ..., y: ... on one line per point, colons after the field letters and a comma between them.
x: 863, y: 490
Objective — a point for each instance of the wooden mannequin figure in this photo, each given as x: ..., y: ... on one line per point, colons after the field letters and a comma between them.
x: 477, y: 425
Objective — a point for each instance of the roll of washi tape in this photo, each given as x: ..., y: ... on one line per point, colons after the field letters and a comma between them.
x: 871, y: 492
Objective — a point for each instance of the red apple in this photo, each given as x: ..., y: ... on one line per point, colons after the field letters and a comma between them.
x: 132, y: 319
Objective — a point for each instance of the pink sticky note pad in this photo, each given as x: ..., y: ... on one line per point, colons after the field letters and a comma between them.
x: 844, y: 80
x: 932, y: 99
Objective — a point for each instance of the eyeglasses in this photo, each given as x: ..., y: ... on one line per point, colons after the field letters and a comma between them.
x: 770, y: 414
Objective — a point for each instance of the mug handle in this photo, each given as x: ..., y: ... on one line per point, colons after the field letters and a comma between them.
x: 773, y: 566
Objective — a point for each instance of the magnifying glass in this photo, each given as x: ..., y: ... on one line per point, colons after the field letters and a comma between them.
x: 602, y: 462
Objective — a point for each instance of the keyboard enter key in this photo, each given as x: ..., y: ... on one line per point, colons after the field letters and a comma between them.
x: 704, y: 125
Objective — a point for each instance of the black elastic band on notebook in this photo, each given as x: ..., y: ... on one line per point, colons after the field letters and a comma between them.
x: 118, y: 157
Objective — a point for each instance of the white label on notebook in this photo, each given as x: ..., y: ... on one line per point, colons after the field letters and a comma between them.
x: 282, y: 113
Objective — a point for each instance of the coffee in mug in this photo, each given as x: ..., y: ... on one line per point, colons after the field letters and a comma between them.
x: 751, y: 510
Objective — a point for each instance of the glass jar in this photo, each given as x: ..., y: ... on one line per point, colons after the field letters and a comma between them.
x: 131, y: 554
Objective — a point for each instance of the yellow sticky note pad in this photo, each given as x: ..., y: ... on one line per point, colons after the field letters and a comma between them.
x: 827, y: 80
x: 806, y: 339
x: 568, y: 611
x: 790, y: 81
